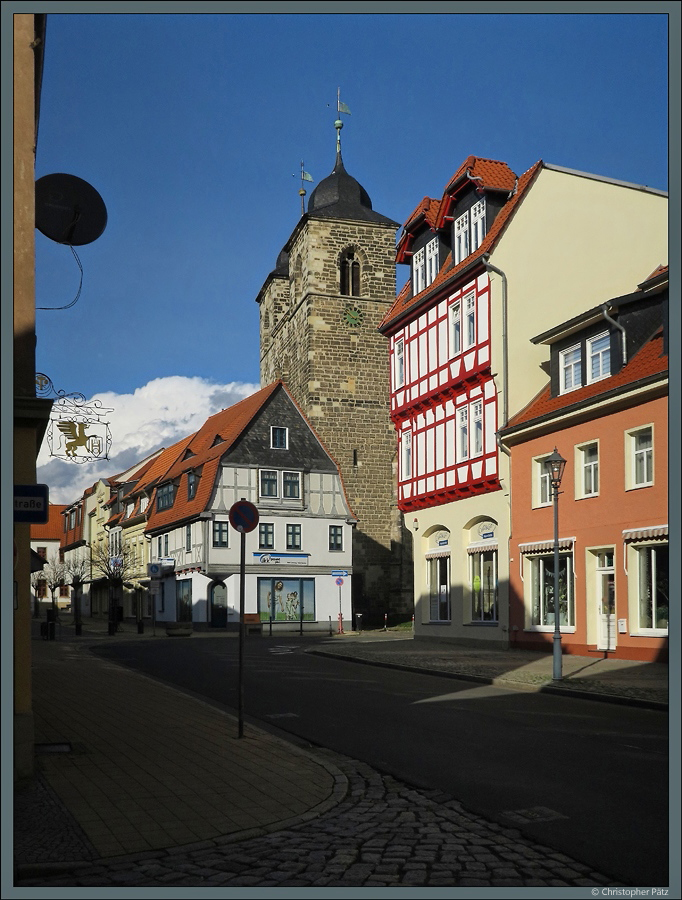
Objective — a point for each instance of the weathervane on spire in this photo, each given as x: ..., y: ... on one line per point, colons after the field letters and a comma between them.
x: 340, y: 108
x: 305, y: 176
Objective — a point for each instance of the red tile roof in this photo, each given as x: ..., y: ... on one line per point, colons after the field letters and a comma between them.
x: 54, y: 528
x: 425, y: 213
x: 649, y: 361
x: 229, y: 425
x: 405, y: 303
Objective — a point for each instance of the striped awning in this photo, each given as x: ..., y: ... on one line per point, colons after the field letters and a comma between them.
x: 547, y: 546
x: 646, y: 534
x: 481, y: 546
x: 436, y: 554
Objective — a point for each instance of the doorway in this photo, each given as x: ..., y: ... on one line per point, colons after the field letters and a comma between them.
x: 606, y: 601
x: 218, y: 606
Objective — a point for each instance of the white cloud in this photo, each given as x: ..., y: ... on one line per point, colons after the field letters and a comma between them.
x: 155, y: 415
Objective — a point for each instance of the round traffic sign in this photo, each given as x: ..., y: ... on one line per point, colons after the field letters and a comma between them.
x: 243, y: 516
x: 339, y: 581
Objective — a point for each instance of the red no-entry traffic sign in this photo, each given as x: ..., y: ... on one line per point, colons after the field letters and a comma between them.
x: 243, y: 516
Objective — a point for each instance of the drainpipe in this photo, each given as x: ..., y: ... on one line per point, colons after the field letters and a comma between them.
x: 623, y: 344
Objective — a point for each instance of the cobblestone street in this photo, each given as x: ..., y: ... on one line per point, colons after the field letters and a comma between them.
x: 383, y: 833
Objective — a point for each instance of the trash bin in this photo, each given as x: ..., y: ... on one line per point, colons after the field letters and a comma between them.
x: 47, y: 630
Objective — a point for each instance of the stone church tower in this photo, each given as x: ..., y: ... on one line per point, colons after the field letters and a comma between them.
x: 320, y: 309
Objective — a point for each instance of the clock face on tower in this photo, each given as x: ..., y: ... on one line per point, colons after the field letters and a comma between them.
x: 352, y: 316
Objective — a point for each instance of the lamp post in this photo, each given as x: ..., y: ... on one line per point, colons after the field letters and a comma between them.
x: 556, y: 464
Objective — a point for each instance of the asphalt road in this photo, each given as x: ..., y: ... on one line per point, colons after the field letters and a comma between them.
x: 599, y: 771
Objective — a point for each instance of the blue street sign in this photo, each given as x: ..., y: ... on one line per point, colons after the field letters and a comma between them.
x: 243, y: 516
x: 340, y: 572
x: 31, y: 503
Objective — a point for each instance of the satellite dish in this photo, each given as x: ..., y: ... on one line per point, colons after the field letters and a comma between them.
x: 69, y: 210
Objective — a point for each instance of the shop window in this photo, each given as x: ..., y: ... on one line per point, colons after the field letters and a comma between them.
x: 438, y: 573
x: 542, y: 587
x: 286, y: 599
x: 483, y: 586
x: 653, y: 587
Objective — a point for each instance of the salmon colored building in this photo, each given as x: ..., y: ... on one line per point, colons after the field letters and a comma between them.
x: 606, y: 411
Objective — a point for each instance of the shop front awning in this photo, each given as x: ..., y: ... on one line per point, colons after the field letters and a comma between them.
x: 653, y: 532
x: 437, y: 554
x: 547, y: 546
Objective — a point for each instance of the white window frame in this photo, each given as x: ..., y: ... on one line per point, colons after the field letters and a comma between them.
x: 600, y: 355
x: 294, y: 538
x: 431, y: 260
x: 469, y: 320
x: 266, y: 528
x: 587, y: 470
x: 406, y: 455
x: 475, y: 561
x: 461, y: 238
x: 476, y: 448
x: 286, y: 480
x: 419, y: 271
x: 542, y: 568
x: 455, y: 316
x: 571, y: 365
x: 261, y: 473
x: 541, y: 485
x: 337, y: 531
x: 279, y: 428
x: 477, y: 224
x: 633, y: 455
x: 462, y: 433
x: 641, y: 551
x: 400, y: 363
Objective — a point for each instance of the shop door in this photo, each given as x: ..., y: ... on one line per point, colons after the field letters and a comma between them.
x: 218, y: 606
x: 606, y: 602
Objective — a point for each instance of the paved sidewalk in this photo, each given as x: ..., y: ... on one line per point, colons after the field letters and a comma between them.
x: 612, y: 680
x: 141, y: 784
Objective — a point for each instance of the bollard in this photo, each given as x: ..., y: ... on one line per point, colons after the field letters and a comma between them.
x: 385, y: 621
x: 358, y: 617
x: 140, y: 627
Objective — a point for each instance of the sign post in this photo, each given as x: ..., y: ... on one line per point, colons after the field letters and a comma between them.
x: 243, y: 518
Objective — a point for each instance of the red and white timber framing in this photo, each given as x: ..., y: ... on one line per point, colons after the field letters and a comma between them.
x: 444, y: 400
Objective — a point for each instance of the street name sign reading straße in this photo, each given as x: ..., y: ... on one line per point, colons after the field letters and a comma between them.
x: 31, y: 503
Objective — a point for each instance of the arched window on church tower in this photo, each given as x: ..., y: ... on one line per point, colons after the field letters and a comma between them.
x: 349, y: 274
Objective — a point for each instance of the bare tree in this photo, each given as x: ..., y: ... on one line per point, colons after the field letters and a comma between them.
x: 77, y: 571
x: 55, y: 576
x: 37, y: 579
x: 115, y: 569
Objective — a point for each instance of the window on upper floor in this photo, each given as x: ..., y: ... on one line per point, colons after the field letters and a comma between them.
x: 266, y: 536
x: 587, y: 470
x: 570, y: 369
x: 406, y: 456
x: 477, y: 224
x: 461, y: 242
x: 192, y: 483
x: 349, y: 274
x: 463, y: 434
x: 400, y: 363
x: 598, y: 357
x: 293, y: 537
x: 279, y: 437
x: 42, y: 552
x: 419, y: 271
x: 221, y: 533
x: 165, y: 495
x: 469, y: 320
x: 188, y: 538
x: 291, y: 485
x: 541, y: 487
x: 431, y: 260
x: 268, y: 483
x: 335, y: 538
x: 455, y: 321
x: 477, y: 428
x: 639, y: 457
x: 144, y: 503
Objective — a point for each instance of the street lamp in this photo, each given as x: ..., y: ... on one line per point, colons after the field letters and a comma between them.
x: 556, y: 464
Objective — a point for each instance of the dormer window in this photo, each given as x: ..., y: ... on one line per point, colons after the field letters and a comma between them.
x: 192, y: 482
x: 461, y: 249
x: 599, y: 357
x: 477, y: 224
x: 431, y: 260
x: 570, y: 369
x: 165, y: 496
x: 418, y: 271
x: 349, y: 275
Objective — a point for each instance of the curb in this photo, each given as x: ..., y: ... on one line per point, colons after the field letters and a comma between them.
x: 499, y: 681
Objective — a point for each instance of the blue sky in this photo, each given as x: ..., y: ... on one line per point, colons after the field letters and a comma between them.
x: 192, y: 126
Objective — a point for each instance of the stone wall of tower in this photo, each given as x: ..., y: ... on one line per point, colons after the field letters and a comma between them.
x: 339, y: 375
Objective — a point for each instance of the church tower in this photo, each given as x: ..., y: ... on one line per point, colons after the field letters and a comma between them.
x: 320, y: 309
